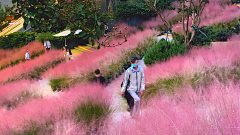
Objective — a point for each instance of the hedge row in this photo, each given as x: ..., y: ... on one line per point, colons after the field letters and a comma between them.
x: 19, y: 39
x: 127, y: 10
x: 163, y: 50
x: 16, y: 40
x: 215, y: 33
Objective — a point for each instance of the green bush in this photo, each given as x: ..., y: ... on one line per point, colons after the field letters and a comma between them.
x: 214, y: 34
x: 163, y: 51
x: 16, y: 40
x: 59, y: 83
x: 91, y: 111
x: 217, y: 33
x: 179, y: 37
x: 56, y: 42
x: 127, y: 10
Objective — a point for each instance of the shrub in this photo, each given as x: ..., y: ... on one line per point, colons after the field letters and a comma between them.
x: 16, y: 40
x: 91, y: 111
x: 58, y: 84
x: 163, y: 51
x: 216, y: 33
x: 179, y: 37
x: 127, y: 10
x: 164, y: 86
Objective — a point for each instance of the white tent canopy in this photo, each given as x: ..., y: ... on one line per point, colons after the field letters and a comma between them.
x: 65, y: 33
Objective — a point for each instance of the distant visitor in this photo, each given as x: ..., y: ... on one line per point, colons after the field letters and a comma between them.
x: 27, y: 55
x: 47, y: 44
x: 98, y: 78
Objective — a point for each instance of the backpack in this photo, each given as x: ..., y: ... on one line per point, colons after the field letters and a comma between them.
x: 126, y: 92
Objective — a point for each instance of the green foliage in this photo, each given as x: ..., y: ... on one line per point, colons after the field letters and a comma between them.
x: 127, y: 10
x: 48, y: 16
x: 92, y: 112
x: 4, y: 13
x: 179, y: 37
x: 16, y: 40
x: 217, y: 32
x: 56, y: 42
x: 163, y: 51
x: 58, y: 84
x: 163, y: 86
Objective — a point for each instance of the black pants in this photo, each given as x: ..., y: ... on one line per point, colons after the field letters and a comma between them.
x: 130, y: 100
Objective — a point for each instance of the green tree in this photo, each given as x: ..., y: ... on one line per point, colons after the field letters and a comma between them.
x: 4, y: 13
x: 193, y: 8
x: 50, y: 15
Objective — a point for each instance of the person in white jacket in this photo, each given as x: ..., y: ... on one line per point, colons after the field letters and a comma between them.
x: 134, y: 85
x: 27, y: 55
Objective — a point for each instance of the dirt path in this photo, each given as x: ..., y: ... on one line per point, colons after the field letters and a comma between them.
x: 119, y: 105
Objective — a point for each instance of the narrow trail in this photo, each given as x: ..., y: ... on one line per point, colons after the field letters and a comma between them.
x: 45, y: 89
x: 119, y: 105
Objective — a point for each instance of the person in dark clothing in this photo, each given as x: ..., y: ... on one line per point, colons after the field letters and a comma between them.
x: 98, y: 78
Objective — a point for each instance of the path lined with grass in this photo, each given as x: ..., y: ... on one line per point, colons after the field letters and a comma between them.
x: 119, y: 104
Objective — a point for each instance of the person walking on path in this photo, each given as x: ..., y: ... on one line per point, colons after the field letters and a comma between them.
x: 98, y: 78
x: 133, y: 86
x: 27, y: 55
x: 47, y: 44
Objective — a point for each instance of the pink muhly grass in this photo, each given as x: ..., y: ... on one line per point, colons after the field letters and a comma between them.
x: 235, y: 37
x: 8, y: 55
x: 215, y: 112
x: 27, y: 66
x: 11, y: 91
x: 168, y: 14
x: 213, y: 13
x: 89, y: 61
x: 220, y: 54
x: 50, y: 109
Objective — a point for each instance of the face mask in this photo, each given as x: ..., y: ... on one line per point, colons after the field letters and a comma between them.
x: 134, y: 65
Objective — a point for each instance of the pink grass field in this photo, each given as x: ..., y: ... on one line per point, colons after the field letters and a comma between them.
x: 213, y: 13
x: 10, y: 91
x: 27, y: 66
x: 50, y: 109
x: 6, y: 56
x: 187, y: 112
x: 89, y: 61
x: 220, y: 54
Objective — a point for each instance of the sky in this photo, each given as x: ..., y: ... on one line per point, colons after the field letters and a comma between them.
x: 6, y: 2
